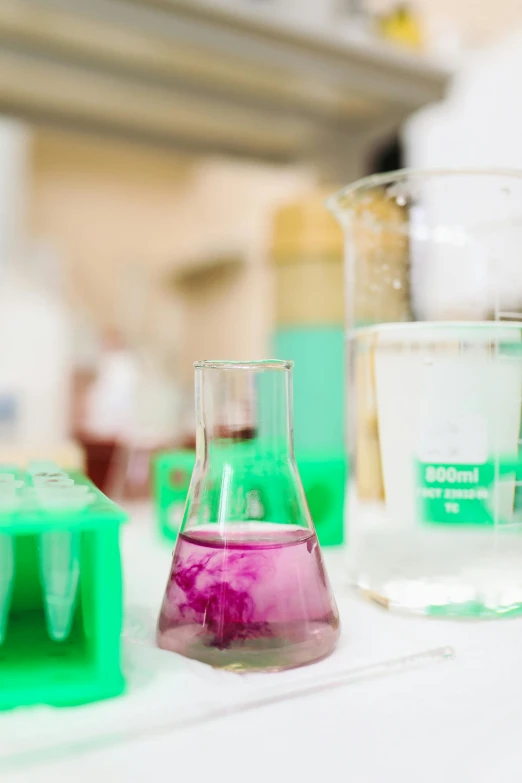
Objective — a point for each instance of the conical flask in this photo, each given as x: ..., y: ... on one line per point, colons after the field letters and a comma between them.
x: 247, y: 590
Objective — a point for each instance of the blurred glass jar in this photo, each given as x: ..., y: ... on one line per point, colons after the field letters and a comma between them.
x: 434, y: 298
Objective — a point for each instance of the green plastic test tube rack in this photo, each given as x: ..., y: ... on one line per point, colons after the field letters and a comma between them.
x: 61, y: 606
x: 323, y: 478
x: 172, y: 472
x: 324, y: 483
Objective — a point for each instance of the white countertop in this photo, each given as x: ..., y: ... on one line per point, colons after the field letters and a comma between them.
x: 455, y: 721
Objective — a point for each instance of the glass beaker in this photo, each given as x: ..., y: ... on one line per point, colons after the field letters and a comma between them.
x: 247, y: 590
x: 434, y: 326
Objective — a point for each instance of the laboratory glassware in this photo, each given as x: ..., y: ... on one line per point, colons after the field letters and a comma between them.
x: 434, y: 328
x: 248, y: 589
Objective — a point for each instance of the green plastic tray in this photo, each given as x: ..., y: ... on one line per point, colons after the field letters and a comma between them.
x: 61, y: 605
x: 324, y: 483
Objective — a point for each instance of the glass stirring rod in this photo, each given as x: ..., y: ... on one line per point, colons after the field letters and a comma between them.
x: 211, y: 713
x: 335, y: 680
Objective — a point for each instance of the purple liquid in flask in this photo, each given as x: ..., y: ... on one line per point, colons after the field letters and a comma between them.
x: 259, y: 599
x: 245, y: 592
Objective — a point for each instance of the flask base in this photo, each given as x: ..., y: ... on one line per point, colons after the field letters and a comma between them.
x: 285, y: 648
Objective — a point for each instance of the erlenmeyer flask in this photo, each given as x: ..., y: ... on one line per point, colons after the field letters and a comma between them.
x: 247, y: 590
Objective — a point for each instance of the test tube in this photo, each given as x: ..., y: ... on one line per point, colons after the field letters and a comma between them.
x: 6, y: 580
x: 64, y: 497
x: 59, y: 558
x: 9, y: 497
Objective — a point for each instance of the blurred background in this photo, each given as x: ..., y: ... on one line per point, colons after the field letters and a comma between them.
x: 163, y: 166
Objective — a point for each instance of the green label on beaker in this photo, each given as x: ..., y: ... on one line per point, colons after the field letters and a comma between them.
x: 456, y: 493
x: 470, y: 493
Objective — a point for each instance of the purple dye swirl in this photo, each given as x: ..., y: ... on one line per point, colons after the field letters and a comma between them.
x: 257, y: 593
x: 202, y: 594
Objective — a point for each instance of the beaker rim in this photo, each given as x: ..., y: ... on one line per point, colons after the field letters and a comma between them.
x: 334, y: 201
x: 253, y: 366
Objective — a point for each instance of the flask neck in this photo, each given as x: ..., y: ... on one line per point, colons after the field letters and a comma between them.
x: 245, y: 409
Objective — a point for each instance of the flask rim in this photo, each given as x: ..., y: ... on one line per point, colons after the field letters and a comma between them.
x: 339, y: 202
x: 251, y: 366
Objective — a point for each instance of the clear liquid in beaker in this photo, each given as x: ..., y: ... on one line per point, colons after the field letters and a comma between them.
x: 435, y: 513
x: 256, y: 599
